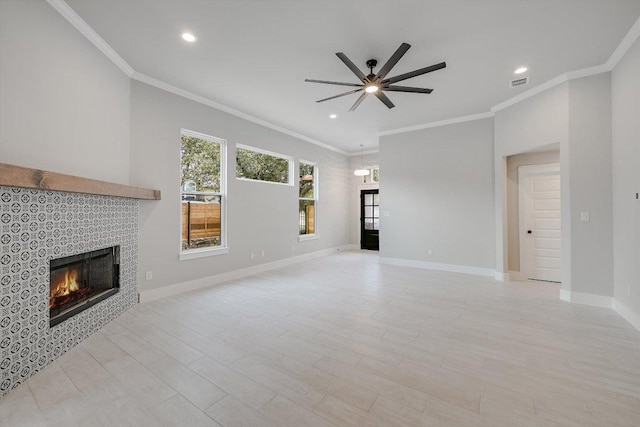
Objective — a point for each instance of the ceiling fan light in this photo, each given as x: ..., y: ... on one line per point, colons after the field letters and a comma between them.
x: 371, y: 89
x: 361, y: 172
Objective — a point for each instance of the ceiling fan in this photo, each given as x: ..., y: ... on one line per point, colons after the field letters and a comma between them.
x: 376, y: 83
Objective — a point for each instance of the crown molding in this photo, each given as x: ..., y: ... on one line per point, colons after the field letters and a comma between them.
x: 529, y: 93
x: 624, y: 46
x: 360, y: 153
x: 68, y: 13
x: 151, y: 81
x: 74, y: 19
x: 80, y: 24
x: 629, y: 39
x: 461, y: 119
x: 577, y: 74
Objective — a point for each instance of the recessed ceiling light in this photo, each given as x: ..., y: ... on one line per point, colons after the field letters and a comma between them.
x: 371, y: 88
x: 188, y: 37
x: 521, y: 70
x: 333, y: 116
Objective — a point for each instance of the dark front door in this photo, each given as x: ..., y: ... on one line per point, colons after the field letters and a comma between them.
x: 369, y: 219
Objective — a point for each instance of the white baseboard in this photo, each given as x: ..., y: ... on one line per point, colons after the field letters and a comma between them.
x: 204, y: 282
x: 478, y: 271
x: 627, y: 314
x: 586, y: 299
x: 502, y: 277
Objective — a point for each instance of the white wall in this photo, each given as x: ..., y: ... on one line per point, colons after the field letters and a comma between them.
x: 64, y: 106
x: 577, y: 116
x: 625, y: 109
x: 590, y: 182
x: 536, y: 122
x: 513, y: 208
x: 438, y: 187
x: 261, y: 216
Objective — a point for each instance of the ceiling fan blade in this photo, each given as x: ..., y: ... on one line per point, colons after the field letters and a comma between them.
x: 382, y: 73
x: 338, y: 96
x: 352, y: 66
x: 406, y: 89
x: 414, y: 73
x: 386, y: 101
x: 358, y: 101
x: 333, y: 83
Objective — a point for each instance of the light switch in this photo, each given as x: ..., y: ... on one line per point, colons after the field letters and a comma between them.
x: 584, y: 216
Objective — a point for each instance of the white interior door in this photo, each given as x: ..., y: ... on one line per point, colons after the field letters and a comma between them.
x: 540, y: 233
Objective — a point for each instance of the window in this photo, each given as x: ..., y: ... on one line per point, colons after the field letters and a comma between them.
x: 374, y: 175
x: 307, y: 198
x: 202, y: 190
x: 260, y: 165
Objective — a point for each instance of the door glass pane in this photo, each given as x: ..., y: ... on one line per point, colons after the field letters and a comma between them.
x: 376, y: 199
x: 368, y: 211
x: 368, y: 224
x: 376, y: 224
x: 368, y: 199
x: 376, y: 211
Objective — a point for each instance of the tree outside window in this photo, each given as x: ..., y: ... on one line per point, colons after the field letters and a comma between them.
x: 260, y: 165
x: 307, y: 198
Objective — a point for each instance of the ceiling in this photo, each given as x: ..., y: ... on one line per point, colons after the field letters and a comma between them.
x: 253, y: 56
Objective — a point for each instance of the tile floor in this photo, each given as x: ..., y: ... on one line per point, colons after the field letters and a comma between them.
x: 344, y: 341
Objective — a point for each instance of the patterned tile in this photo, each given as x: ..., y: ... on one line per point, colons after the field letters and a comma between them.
x: 35, y: 227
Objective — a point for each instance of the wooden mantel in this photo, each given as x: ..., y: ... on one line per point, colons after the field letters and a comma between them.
x: 17, y: 176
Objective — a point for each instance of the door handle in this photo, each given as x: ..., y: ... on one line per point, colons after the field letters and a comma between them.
x: 528, y: 231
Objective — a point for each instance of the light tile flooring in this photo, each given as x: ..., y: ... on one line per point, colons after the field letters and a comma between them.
x: 344, y: 341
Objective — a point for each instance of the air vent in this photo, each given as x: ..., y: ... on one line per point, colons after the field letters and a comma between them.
x: 519, y: 82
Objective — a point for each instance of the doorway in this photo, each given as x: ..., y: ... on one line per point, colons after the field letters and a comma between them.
x: 370, y: 219
x: 539, y: 218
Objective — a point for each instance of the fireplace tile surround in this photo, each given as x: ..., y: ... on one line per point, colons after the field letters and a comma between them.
x: 35, y: 227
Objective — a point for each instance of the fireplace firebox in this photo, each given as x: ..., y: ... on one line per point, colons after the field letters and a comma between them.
x: 80, y: 281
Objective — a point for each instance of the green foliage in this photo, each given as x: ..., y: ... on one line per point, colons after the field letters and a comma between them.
x: 261, y: 167
x: 306, y: 185
x: 200, y: 163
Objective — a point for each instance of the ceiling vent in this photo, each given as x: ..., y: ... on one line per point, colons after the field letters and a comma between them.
x: 519, y: 82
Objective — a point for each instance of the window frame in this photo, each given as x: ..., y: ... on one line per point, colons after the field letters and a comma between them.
x: 289, y: 159
x: 368, y: 179
x: 223, y: 248
x: 314, y: 235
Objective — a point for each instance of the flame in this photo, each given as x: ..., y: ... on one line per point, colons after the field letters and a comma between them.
x: 66, y: 286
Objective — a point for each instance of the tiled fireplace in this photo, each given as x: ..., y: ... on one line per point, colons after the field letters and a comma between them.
x: 45, y: 230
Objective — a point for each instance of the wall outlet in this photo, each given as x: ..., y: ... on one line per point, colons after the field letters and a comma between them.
x: 293, y: 248
x: 148, y: 275
x: 252, y: 255
x: 584, y: 216
x: 429, y: 252
x: 262, y: 254
x: 628, y: 290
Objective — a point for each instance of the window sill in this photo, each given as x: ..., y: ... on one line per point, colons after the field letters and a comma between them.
x: 305, y: 237
x: 202, y: 253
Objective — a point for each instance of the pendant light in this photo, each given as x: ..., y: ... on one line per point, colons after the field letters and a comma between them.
x: 362, y: 171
